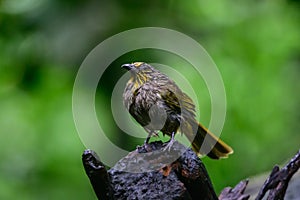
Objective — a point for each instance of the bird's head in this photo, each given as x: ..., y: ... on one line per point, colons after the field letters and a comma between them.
x: 140, y: 71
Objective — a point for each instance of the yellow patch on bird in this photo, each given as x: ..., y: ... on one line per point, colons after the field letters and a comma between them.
x: 137, y: 64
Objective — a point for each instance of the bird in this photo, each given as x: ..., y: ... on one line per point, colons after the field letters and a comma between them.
x: 158, y: 104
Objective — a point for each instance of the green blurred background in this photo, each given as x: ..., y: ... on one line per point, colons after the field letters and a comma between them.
x: 255, y: 44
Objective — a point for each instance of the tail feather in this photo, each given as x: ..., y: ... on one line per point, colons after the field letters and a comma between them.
x: 206, y: 143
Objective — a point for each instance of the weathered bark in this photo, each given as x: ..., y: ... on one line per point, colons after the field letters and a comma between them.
x: 181, y: 176
x: 236, y: 193
x: 150, y: 172
x: 278, y: 180
x: 97, y: 174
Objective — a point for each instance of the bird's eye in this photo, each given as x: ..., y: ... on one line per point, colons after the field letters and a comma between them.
x: 137, y: 64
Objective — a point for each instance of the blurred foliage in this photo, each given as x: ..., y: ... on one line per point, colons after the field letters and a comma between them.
x: 255, y: 44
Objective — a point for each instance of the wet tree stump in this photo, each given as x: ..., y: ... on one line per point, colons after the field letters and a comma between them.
x: 151, y: 172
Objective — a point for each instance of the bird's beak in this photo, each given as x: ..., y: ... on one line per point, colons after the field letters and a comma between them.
x: 128, y: 66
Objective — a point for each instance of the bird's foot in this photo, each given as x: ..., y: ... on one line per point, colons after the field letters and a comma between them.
x: 170, y: 143
x: 147, y: 140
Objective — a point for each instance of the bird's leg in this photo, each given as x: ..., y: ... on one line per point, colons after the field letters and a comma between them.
x: 170, y: 143
x: 147, y: 139
x: 150, y: 134
x: 155, y: 133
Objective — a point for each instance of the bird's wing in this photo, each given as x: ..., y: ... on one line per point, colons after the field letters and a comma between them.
x: 178, y: 101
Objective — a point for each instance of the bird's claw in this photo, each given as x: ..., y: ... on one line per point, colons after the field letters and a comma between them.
x: 168, y: 146
x: 170, y: 143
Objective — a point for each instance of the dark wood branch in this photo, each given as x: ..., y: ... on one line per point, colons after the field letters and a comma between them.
x: 97, y: 174
x: 278, y: 180
x: 236, y: 193
x: 150, y: 172
x: 174, y: 174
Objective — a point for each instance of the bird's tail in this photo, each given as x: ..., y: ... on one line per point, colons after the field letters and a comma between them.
x: 205, y: 142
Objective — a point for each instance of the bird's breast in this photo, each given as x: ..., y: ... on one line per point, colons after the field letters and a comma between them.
x: 146, y: 96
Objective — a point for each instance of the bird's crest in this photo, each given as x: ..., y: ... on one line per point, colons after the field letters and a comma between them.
x: 137, y: 64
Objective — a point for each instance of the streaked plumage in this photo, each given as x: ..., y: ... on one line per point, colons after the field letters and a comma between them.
x: 158, y: 104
